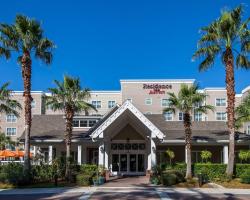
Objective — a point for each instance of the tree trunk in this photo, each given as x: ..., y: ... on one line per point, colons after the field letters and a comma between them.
x: 26, y: 74
x: 69, y: 121
x: 188, y: 133
x: 230, y: 86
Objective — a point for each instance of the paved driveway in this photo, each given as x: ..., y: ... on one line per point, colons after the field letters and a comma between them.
x: 134, y: 181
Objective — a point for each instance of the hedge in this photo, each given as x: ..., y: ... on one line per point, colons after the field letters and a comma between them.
x: 212, y: 171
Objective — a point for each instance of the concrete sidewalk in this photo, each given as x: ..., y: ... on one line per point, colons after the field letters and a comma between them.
x: 115, y: 189
x: 48, y: 190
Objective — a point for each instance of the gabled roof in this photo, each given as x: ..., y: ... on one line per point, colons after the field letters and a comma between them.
x: 127, y: 105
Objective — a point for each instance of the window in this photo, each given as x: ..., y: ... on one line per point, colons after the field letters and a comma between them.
x: 248, y: 130
x: 111, y: 104
x: 198, y: 104
x: 92, y: 122
x: 33, y: 104
x: 11, y: 118
x: 148, y: 101
x: 129, y: 99
x: 49, y: 107
x: 165, y: 102
x: 84, y: 123
x: 221, y: 116
x: 97, y: 104
x: 75, y: 123
x: 220, y: 102
x: 181, y: 116
x: 168, y: 116
x: 10, y: 131
x: 198, y: 116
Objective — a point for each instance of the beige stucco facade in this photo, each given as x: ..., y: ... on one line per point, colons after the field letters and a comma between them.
x: 147, y: 95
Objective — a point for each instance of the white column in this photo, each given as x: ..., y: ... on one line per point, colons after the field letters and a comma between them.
x: 35, y: 151
x: 153, y: 153
x: 106, y: 157
x: 185, y: 154
x: 149, y: 155
x: 50, y: 154
x: 225, y: 154
x: 101, y: 154
x: 79, y: 154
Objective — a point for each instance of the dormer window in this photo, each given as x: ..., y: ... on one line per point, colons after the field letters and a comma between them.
x: 84, y: 123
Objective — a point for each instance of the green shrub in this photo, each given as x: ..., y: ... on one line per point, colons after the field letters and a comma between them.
x: 172, y: 177
x: 42, y: 173
x: 155, y: 180
x: 244, y: 155
x: 206, y: 155
x: 83, y: 179
x: 240, y: 169
x: 245, y: 177
x: 180, y: 167
x: 12, y: 173
x: 210, y: 171
x: 88, y: 169
x: 168, y: 179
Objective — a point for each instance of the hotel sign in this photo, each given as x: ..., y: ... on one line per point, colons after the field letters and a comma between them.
x: 157, y: 88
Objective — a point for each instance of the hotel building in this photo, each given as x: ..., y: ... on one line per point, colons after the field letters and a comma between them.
x: 129, y: 134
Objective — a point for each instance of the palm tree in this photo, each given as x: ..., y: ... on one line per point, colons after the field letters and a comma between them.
x: 69, y: 97
x: 8, y: 105
x: 243, y: 112
x: 5, y: 140
x: 228, y: 38
x: 188, y: 101
x: 26, y: 37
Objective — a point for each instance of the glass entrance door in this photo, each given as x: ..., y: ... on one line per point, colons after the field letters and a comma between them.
x: 141, y: 162
x: 132, y: 162
x: 123, y: 162
x: 126, y: 163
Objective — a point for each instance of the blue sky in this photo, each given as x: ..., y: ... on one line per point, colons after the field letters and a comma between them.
x: 105, y: 41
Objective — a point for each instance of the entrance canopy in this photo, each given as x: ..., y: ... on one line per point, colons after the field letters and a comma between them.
x: 120, y: 117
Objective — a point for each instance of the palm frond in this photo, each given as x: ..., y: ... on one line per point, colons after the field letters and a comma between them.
x: 242, y: 61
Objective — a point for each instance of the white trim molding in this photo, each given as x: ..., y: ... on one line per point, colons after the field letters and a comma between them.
x: 127, y: 105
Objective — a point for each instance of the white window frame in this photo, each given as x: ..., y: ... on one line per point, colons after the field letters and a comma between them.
x: 248, y: 130
x: 148, y: 104
x: 164, y: 100
x: 33, y: 104
x: 96, y: 103
x: 12, y: 120
x: 220, y: 102
x: 181, y: 117
x: 6, y: 133
x: 200, y: 116
x: 220, y: 119
x: 111, y: 101
x: 82, y: 127
x: 172, y: 117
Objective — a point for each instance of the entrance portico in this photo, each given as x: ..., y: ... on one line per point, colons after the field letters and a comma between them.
x: 127, y: 141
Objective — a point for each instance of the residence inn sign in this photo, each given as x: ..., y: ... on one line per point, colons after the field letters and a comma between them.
x: 157, y: 88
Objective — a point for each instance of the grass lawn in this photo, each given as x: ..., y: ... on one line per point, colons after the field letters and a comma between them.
x: 235, y: 183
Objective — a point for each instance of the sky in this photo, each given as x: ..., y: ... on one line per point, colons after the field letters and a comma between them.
x: 104, y: 41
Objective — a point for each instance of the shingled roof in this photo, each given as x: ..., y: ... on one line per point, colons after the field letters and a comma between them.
x: 52, y: 127
x: 201, y: 130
